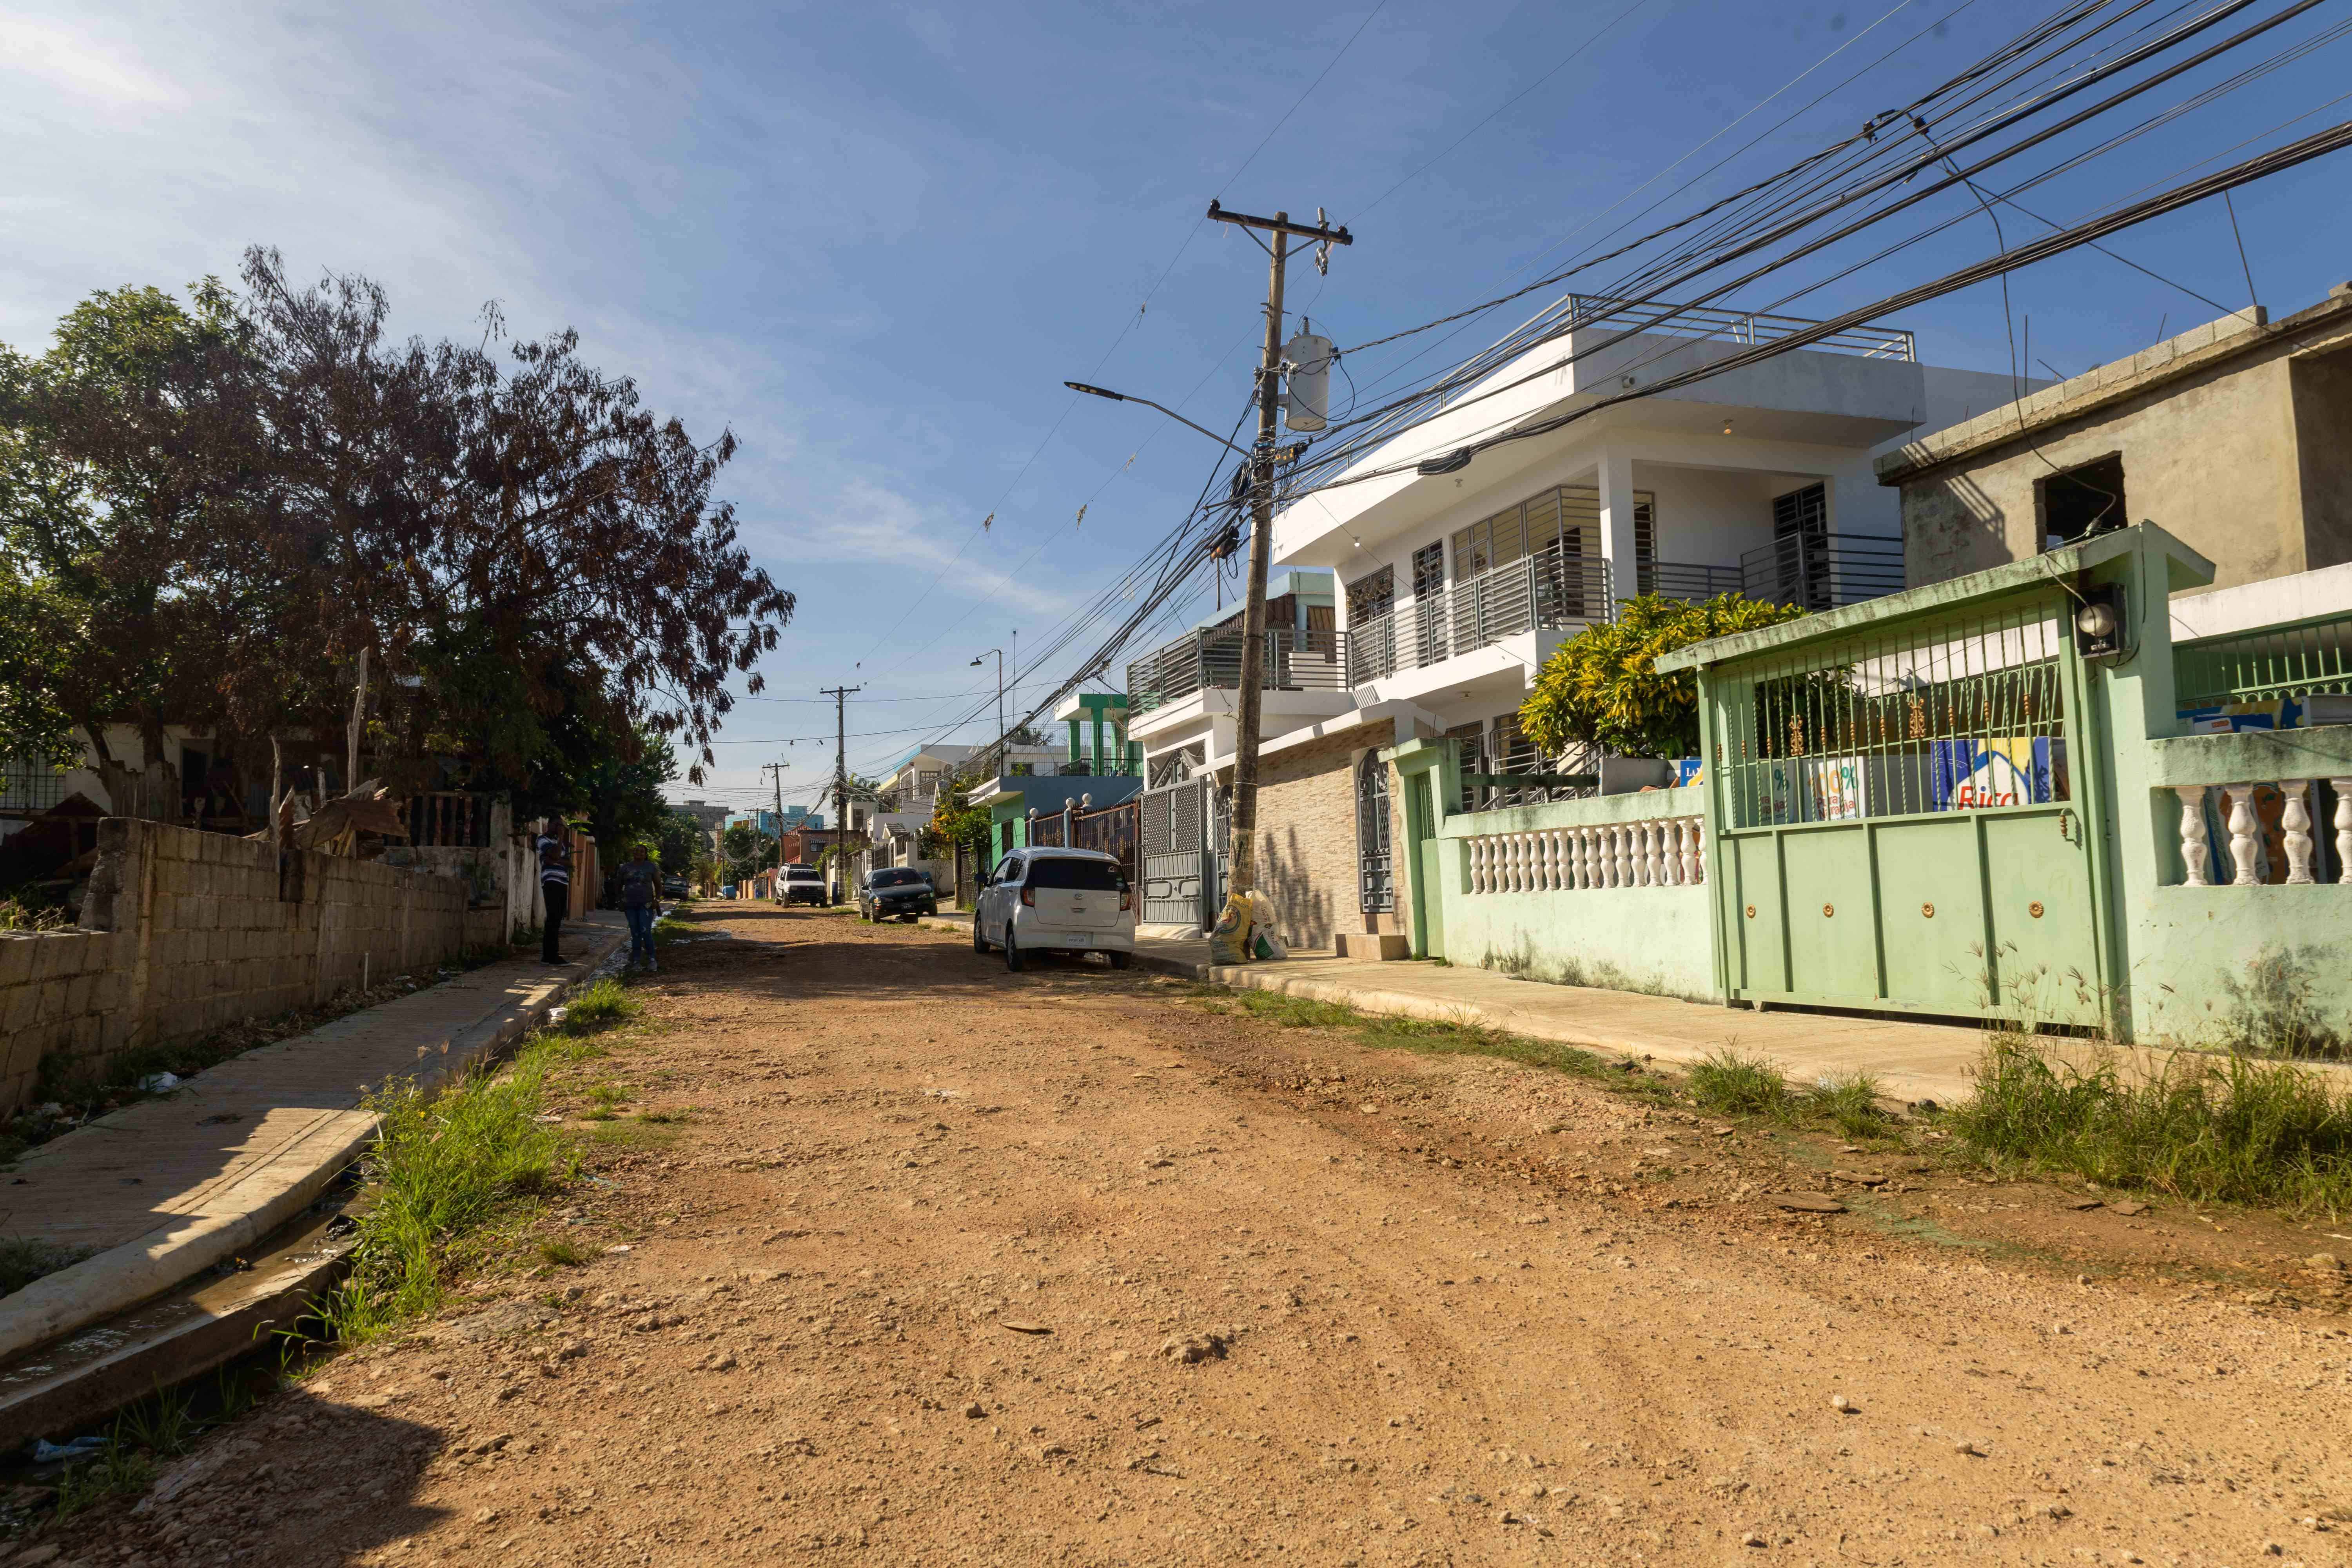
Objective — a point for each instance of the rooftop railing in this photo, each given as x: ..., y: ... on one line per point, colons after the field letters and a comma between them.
x: 1745, y: 327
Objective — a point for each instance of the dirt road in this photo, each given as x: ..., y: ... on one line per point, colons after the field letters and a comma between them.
x: 944, y: 1265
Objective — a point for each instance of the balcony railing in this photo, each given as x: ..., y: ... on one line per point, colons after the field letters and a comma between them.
x: 1742, y: 327
x: 1823, y: 571
x: 1295, y: 661
x: 1689, y: 581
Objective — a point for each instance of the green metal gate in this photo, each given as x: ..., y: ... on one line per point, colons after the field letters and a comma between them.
x: 1899, y: 817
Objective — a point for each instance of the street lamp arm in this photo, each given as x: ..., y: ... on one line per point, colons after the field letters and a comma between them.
x: 1131, y: 397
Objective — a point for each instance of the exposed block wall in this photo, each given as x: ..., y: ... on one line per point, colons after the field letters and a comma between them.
x: 185, y: 932
x: 1309, y: 860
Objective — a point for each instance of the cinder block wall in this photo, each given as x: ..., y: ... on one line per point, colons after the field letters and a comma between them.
x: 185, y: 932
x: 1307, y: 857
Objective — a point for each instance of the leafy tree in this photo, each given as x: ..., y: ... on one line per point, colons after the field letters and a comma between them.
x: 683, y: 843
x: 209, y: 510
x: 955, y: 821
x: 744, y: 851
x: 128, y: 453
x: 1601, y: 687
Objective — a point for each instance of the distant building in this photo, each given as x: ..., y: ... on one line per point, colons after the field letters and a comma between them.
x: 708, y: 818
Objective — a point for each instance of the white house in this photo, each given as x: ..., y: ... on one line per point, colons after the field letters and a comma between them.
x: 1453, y: 587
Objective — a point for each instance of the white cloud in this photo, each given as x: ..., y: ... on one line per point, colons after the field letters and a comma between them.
x: 80, y: 64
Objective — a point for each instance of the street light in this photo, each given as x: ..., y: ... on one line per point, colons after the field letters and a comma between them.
x: 999, y: 704
x: 1131, y: 397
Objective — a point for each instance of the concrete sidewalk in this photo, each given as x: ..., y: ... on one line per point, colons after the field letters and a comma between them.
x: 165, y: 1189
x: 1912, y: 1061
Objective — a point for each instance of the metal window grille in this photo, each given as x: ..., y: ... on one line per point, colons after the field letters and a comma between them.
x: 28, y: 786
x: 2290, y: 662
x: 1375, y: 875
x: 1942, y: 716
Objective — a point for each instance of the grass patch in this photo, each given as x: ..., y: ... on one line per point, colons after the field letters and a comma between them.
x: 1435, y: 1038
x: 666, y: 1118
x: 161, y: 1427
x: 599, y: 1006
x: 2230, y: 1131
x: 564, y: 1255
x: 1730, y: 1084
x: 667, y: 927
x: 1850, y: 1100
x: 443, y: 1169
x: 24, y: 1260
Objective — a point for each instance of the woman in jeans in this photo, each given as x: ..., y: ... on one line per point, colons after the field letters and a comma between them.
x: 641, y: 900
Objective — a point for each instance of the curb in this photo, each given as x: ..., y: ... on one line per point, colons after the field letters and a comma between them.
x: 124, y: 1276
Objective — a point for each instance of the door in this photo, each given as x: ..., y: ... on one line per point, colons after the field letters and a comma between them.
x: 1171, y: 826
x: 1428, y: 902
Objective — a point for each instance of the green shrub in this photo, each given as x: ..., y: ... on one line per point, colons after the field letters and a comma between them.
x: 24, y: 1260
x: 2231, y: 1130
x: 1730, y: 1084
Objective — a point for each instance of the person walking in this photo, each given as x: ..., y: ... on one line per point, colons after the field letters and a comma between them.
x: 641, y: 900
x: 555, y: 894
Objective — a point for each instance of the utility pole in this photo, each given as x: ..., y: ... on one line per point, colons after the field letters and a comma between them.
x: 840, y: 695
x: 777, y: 770
x: 1241, y: 854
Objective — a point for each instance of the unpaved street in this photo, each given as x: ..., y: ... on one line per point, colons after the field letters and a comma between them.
x: 944, y: 1265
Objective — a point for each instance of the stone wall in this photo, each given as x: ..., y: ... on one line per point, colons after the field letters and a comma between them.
x: 183, y: 933
x: 1308, y: 856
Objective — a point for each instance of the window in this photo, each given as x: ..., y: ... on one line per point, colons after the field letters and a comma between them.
x: 900, y: 878
x: 1079, y: 876
x: 1371, y: 596
x: 1562, y: 521
x: 1375, y: 881
x: 1428, y: 569
x: 1009, y: 871
x: 1023, y: 770
x: 2083, y: 500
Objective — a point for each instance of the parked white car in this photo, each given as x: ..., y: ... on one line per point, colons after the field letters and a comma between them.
x: 1056, y: 901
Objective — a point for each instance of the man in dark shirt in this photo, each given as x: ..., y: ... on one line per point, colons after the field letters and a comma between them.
x: 555, y: 891
x: 641, y: 900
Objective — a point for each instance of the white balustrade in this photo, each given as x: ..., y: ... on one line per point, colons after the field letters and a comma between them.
x: 2248, y: 854
x: 1653, y: 853
x: 2294, y: 825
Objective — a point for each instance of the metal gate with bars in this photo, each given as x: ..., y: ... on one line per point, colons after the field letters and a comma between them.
x: 1183, y: 842
x: 1899, y: 817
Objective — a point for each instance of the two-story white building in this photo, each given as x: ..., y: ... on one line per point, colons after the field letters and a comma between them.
x: 1446, y: 590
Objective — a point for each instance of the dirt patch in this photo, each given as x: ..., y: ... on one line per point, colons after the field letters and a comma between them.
x: 947, y: 1265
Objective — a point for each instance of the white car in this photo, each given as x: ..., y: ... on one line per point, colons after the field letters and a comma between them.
x: 1056, y: 901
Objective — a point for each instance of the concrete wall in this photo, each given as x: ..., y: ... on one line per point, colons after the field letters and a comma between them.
x: 185, y: 932
x: 1658, y: 940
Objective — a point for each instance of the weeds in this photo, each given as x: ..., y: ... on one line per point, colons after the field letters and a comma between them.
x: 2232, y: 1130
x: 599, y: 1006
x: 162, y: 1425
x: 1428, y: 1036
x: 1850, y: 1100
x: 15, y: 914
x: 24, y: 1260
x: 1730, y: 1084
x: 443, y: 1166
x: 564, y: 1255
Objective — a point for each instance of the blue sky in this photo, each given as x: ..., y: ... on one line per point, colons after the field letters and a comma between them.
x: 875, y: 240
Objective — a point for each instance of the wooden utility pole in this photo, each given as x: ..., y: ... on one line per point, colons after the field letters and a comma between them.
x: 777, y: 769
x: 1241, y: 858
x: 840, y: 695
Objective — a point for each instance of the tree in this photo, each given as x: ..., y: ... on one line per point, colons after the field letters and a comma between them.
x: 210, y: 510
x: 1601, y: 687
x: 683, y: 842
x: 128, y: 454
x: 744, y: 851
x: 955, y: 822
